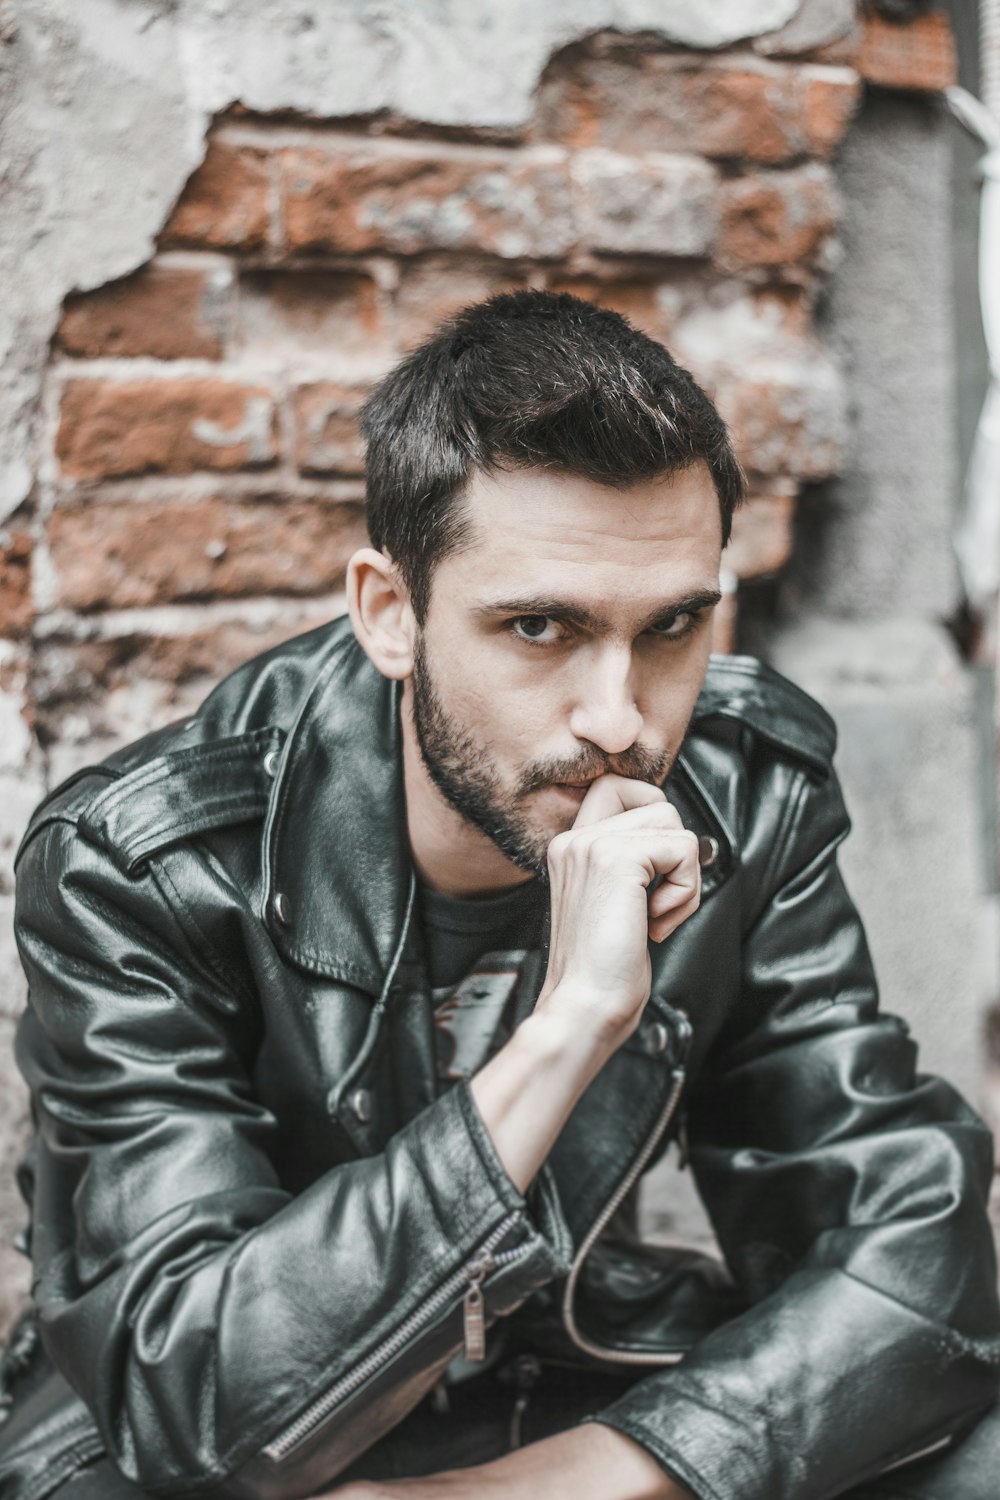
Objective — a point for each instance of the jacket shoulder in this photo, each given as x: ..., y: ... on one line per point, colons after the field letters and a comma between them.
x: 747, y: 694
x: 210, y: 771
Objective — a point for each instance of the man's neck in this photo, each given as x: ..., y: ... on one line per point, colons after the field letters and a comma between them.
x: 449, y: 853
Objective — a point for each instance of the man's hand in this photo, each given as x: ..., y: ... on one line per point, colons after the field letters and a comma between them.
x: 625, y: 835
x: 591, y: 1462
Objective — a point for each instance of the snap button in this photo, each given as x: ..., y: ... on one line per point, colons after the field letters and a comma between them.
x: 657, y: 1038
x: 708, y: 850
x: 361, y: 1103
x: 271, y: 762
x: 282, y: 908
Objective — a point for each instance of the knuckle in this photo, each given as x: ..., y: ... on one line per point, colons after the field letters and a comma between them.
x: 603, y: 852
x: 559, y: 846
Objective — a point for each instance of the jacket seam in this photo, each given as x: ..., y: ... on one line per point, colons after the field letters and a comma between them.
x: 333, y: 966
x: 243, y: 807
x: 768, y: 883
x: 202, y: 952
x: 280, y: 800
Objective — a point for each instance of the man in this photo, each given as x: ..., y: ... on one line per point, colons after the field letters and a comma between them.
x: 360, y: 1002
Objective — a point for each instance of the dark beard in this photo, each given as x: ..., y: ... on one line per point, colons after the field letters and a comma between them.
x: 466, y: 778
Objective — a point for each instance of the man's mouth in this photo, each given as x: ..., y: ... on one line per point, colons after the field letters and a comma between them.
x: 575, y: 789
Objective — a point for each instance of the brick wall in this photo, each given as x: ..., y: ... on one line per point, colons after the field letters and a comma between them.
x: 205, y: 485
x: 200, y: 484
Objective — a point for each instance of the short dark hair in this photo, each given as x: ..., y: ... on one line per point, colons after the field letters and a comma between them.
x: 527, y: 379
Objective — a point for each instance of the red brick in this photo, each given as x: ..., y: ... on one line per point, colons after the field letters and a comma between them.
x: 111, y: 428
x: 385, y: 197
x: 842, y: 53
x: 436, y: 287
x: 786, y: 423
x: 918, y: 55
x: 163, y: 312
x: 776, y: 218
x: 326, y: 422
x: 650, y: 205
x: 648, y: 305
x: 333, y: 313
x: 16, y: 609
x: 117, y: 555
x: 655, y: 101
x: 226, y: 204
x: 761, y: 542
x: 828, y: 108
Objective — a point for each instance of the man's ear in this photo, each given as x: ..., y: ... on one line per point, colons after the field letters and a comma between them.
x: 381, y: 612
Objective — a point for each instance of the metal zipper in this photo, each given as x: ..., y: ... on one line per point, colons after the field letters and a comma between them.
x: 471, y: 1275
x: 621, y: 1356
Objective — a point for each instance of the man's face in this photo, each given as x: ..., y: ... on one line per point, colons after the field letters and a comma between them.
x: 568, y: 639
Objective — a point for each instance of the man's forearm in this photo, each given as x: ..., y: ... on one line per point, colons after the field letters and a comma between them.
x: 592, y: 1462
x: 527, y: 1091
x: 625, y: 836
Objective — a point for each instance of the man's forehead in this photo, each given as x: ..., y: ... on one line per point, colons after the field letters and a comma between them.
x: 533, y: 501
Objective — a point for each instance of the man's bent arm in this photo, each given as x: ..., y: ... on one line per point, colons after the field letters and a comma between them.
x: 848, y: 1193
x: 625, y: 836
x: 198, y: 1307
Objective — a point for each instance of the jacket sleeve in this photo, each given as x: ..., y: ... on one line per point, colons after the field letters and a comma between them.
x: 848, y: 1193
x: 227, y: 1337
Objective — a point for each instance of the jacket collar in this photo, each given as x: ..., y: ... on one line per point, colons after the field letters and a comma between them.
x: 337, y: 867
x: 336, y: 860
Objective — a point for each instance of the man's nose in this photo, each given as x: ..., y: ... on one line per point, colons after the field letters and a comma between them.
x: 605, y: 711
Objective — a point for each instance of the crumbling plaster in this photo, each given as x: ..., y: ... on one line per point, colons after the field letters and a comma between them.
x: 105, y: 105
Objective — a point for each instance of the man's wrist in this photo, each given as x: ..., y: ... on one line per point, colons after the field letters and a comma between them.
x: 527, y: 1091
x: 560, y: 1031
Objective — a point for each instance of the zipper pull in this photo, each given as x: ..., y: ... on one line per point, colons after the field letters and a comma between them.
x: 474, y: 1312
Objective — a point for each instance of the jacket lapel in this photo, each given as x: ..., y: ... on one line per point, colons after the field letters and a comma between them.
x: 337, y: 862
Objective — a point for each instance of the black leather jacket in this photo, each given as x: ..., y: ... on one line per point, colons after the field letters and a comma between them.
x: 256, y: 1216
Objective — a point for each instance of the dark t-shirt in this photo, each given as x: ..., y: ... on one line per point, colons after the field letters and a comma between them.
x: 482, y: 958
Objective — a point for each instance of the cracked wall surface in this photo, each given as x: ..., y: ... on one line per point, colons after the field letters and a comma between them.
x: 224, y: 218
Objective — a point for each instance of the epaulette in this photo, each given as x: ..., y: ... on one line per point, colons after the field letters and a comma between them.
x: 746, y: 691
x: 133, y: 814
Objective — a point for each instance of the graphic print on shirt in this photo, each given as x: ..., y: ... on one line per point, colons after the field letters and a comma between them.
x: 472, y: 1019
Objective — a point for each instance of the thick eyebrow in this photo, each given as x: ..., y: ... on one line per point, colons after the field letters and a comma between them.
x: 575, y: 614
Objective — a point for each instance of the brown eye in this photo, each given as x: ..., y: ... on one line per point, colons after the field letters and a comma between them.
x: 676, y: 626
x: 533, y: 627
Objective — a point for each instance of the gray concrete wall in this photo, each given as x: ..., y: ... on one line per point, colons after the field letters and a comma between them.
x: 873, y: 579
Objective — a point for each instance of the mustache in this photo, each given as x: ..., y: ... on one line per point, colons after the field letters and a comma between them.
x: 637, y: 764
